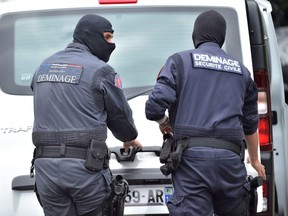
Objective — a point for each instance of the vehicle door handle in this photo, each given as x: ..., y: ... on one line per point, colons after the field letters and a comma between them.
x: 121, y: 155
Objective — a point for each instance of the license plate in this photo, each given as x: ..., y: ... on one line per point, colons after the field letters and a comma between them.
x: 148, y: 195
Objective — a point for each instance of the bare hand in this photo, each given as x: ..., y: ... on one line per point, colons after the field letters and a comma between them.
x: 259, y: 168
x: 133, y: 143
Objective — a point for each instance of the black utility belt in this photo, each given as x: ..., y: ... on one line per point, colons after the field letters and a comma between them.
x: 214, y: 143
x: 96, y: 154
x: 171, y: 152
x: 61, y: 151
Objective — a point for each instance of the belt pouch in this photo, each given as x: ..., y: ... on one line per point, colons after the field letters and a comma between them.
x: 96, y: 155
x: 166, y: 148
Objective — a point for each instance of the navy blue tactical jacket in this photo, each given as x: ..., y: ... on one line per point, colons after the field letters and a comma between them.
x: 76, y: 98
x: 207, y: 93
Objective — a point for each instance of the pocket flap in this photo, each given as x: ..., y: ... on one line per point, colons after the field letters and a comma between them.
x: 176, y: 200
x: 98, y: 149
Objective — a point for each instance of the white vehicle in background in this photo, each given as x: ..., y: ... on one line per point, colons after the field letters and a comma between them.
x: 282, y: 37
x: 146, y: 33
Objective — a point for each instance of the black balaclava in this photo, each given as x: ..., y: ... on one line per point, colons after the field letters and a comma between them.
x: 89, y: 31
x: 210, y: 26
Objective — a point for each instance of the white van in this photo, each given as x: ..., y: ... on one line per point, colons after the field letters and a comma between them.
x: 146, y: 33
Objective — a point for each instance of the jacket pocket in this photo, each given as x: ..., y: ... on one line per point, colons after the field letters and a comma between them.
x: 176, y: 205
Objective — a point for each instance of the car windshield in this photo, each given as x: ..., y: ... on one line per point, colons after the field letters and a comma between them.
x: 144, y: 39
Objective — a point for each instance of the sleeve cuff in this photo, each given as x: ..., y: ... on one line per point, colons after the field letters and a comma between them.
x: 163, y: 120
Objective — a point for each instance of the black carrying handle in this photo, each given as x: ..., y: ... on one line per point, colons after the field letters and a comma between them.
x: 121, y: 155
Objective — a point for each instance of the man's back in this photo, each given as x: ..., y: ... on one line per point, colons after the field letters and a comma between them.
x: 64, y: 99
x: 211, y: 92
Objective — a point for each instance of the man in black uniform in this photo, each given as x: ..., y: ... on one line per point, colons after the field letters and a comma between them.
x: 212, y: 105
x: 77, y: 95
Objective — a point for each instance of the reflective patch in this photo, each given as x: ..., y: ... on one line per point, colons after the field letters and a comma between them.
x: 60, y: 73
x: 118, y: 81
x: 217, y: 63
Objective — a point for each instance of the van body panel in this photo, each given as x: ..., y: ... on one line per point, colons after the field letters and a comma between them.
x: 19, y: 18
x: 280, y: 135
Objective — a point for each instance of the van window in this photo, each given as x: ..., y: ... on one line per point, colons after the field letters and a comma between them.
x: 144, y: 39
